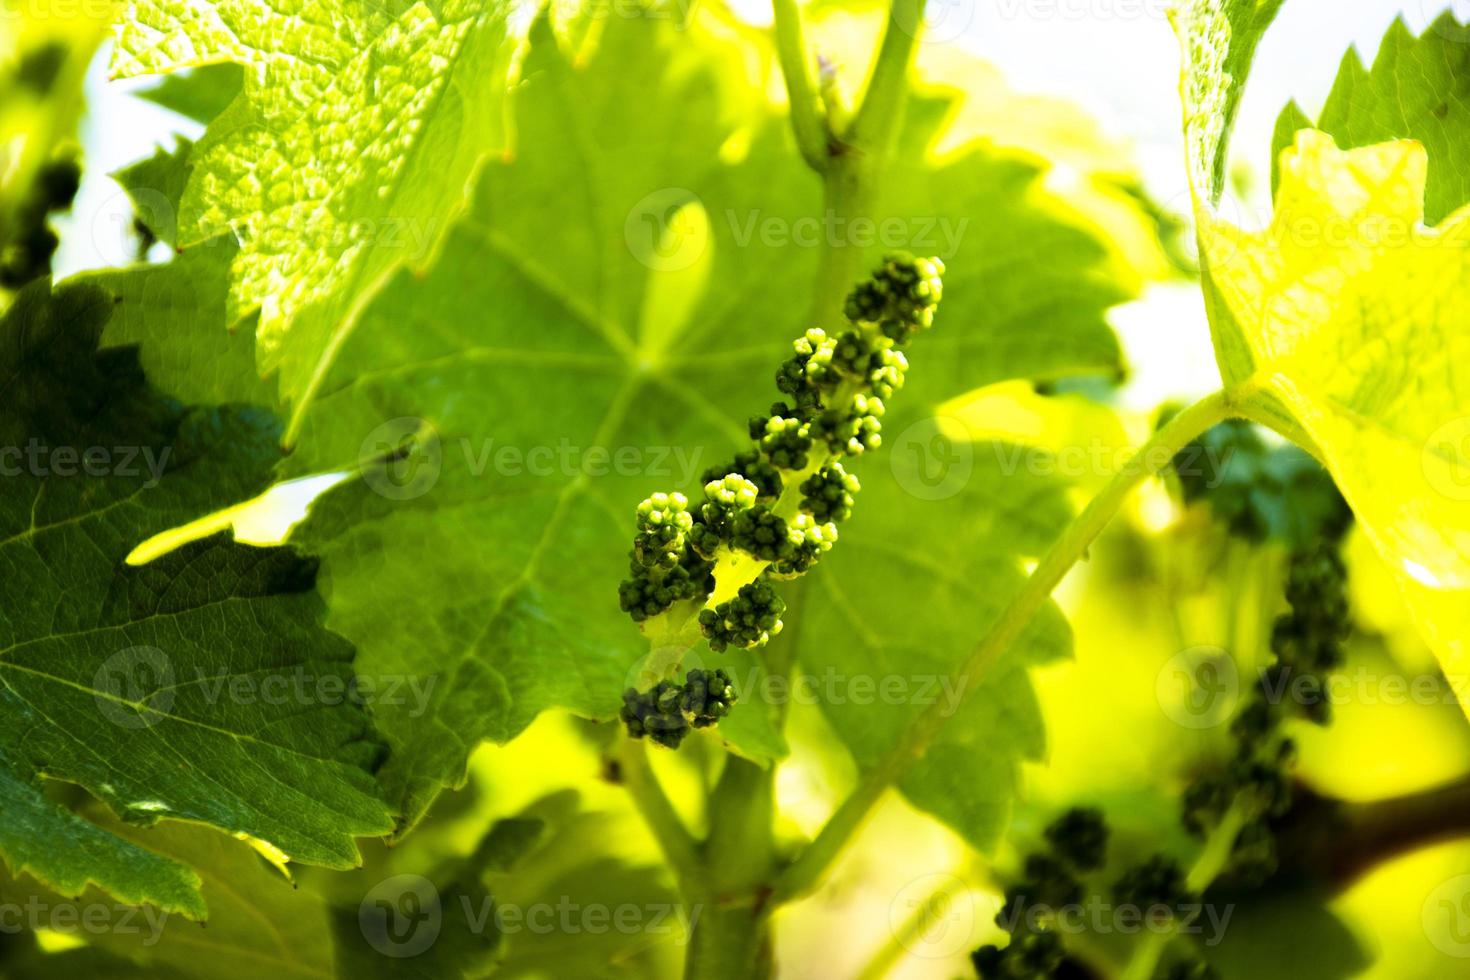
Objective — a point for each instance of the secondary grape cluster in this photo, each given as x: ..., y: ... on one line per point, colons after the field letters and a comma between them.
x: 1054, y: 880
x: 667, y: 712
x: 772, y: 512
x: 1258, y: 493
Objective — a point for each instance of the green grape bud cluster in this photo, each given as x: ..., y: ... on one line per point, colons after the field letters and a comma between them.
x: 1156, y: 884
x: 664, y: 570
x: 27, y: 248
x: 1258, y: 491
x: 668, y: 711
x: 748, y: 620
x: 1051, y: 881
x: 775, y: 507
x: 1256, y: 781
x: 829, y: 493
x: 900, y: 297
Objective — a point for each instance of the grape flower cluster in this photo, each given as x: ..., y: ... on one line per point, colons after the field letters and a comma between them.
x: 1052, y: 880
x: 1256, y: 492
x: 772, y: 512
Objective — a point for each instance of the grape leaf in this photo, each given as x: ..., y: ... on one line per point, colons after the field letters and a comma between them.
x: 200, y: 94
x: 487, y: 557
x: 930, y: 558
x: 346, y: 155
x: 1337, y: 325
x: 114, y: 677
x: 258, y: 920
x: 1220, y: 38
x: 1348, y: 306
x: 1418, y: 88
x: 175, y: 312
x: 156, y: 186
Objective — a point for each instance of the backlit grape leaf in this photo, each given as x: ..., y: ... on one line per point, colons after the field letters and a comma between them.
x: 347, y: 154
x: 1416, y: 89
x: 931, y: 556
x: 155, y: 186
x: 1350, y: 309
x: 148, y: 686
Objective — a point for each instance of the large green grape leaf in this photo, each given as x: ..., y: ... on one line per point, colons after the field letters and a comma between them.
x: 126, y: 680
x: 346, y: 155
x: 549, y: 382
x: 928, y: 561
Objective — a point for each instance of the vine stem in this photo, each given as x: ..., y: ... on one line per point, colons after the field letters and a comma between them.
x: 802, y: 875
x: 807, y: 117
x: 1208, y: 866
x: 679, y: 847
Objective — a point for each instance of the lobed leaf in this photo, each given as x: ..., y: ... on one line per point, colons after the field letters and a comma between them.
x: 119, y: 679
x: 346, y: 155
